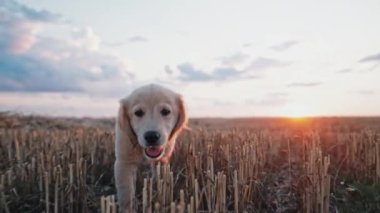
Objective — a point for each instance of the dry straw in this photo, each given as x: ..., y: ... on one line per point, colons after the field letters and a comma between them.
x: 216, y: 168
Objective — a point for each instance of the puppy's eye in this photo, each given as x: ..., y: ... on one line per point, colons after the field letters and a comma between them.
x: 165, y: 112
x: 139, y: 113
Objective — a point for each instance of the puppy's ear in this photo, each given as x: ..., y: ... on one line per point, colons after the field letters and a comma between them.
x: 182, y: 118
x: 124, y: 122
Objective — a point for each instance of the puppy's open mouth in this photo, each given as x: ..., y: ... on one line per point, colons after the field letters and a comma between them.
x: 154, y: 151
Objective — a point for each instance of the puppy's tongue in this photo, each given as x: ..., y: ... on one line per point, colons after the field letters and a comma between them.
x: 153, y: 151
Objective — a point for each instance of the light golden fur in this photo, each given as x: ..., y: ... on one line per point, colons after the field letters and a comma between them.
x: 130, y: 143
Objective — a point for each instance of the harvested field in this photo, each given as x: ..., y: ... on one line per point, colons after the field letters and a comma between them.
x: 221, y: 165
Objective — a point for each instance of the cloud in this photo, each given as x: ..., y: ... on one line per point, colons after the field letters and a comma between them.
x: 284, y: 46
x: 168, y: 70
x: 234, y: 59
x: 20, y: 24
x: 47, y: 72
x: 22, y: 11
x: 189, y: 73
x: 26, y: 73
x: 271, y: 99
x: 304, y: 84
x: 138, y: 38
x: 370, y: 58
x: 278, y: 94
x: 262, y: 63
x: 365, y: 92
x: 226, y: 72
x: 85, y: 37
x: 342, y: 71
x: 246, y: 45
x: 68, y: 104
x: 113, y: 44
x: 33, y: 63
x: 213, y: 101
x: 217, y: 102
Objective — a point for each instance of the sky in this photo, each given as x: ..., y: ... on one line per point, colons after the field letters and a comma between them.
x: 227, y: 58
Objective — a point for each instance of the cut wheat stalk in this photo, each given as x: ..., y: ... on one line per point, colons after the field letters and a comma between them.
x: 2, y: 196
x: 56, y: 189
x: 47, y: 206
x: 236, y: 192
x: 145, y: 197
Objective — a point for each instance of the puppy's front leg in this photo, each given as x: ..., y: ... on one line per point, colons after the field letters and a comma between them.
x: 125, y: 179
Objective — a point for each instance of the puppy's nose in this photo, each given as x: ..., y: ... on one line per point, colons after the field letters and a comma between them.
x: 152, y: 137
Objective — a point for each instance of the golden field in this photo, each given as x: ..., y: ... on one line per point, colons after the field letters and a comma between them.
x: 220, y: 165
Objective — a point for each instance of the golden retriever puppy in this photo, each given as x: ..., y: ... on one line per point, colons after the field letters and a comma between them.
x: 147, y: 125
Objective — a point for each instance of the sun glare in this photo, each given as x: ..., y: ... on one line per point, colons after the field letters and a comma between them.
x: 296, y: 112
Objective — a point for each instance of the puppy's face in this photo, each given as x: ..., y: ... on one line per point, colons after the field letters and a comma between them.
x: 153, y: 124
x: 155, y: 115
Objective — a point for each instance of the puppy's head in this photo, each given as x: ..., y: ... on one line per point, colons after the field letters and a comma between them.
x: 152, y: 117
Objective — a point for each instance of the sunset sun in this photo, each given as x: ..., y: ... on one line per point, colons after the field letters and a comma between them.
x: 297, y: 112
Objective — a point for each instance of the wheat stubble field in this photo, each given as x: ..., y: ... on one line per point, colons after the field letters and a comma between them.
x: 221, y: 165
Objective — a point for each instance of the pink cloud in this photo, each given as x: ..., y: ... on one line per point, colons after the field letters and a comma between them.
x: 22, y: 35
